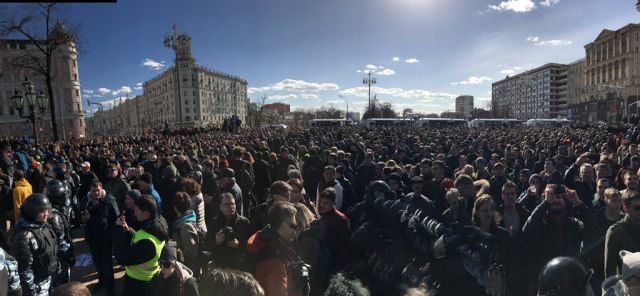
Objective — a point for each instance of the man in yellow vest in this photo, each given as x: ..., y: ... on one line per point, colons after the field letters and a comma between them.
x: 139, y: 250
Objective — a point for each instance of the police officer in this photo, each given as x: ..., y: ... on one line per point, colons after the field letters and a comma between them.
x: 35, y: 246
x: 59, y: 218
x: 564, y: 276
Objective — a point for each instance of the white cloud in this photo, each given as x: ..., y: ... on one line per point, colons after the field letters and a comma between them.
x: 113, y: 102
x: 533, y: 38
x: 295, y: 86
x: 412, y: 61
x: 473, y: 80
x: 508, y: 72
x: 515, y: 6
x: 398, y: 93
x: 122, y: 90
x: 395, y: 59
x: 549, y: 3
x: 359, y: 71
x: 151, y: 64
x: 87, y: 91
x: 371, y: 67
x: 386, y: 72
x: 555, y: 42
x: 87, y: 96
x: 103, y: 91
x: 283, y: 97
x: 309, y: 96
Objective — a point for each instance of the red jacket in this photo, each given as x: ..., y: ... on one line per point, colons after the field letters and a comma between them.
x: 337, y: 236
x: 271, y: 269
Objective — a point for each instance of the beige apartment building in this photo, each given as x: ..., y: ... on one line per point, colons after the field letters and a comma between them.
x: 538, y: 93
x: 66, y: 91
x: 187, y: 96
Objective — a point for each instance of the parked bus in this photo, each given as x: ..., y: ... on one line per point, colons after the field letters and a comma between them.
x: 331, y: 122
x: 555, y: 122
x: 441, y: 122
x: 494, y: 122
x: 388, y: 122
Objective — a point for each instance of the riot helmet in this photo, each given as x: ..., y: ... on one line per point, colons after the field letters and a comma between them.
x: 564, y: 276
x: 33, y: 205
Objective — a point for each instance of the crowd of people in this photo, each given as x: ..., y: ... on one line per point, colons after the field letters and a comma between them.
x: 327, y: 211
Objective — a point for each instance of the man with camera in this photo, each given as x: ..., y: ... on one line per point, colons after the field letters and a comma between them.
x: 279, y: 270
x: 553, y: 231
x: 227, y: 240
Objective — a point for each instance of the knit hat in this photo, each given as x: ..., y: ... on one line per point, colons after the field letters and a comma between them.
x: 134, y: 194
x: 630, y: 264
x: 169, y: 252
x: 395, y: 177
x: 146, y: 177
x: 225, y: 173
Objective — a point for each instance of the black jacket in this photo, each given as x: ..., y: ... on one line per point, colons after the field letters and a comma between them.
x: 103, y: 217
x: 585, y: 192
x: 223, y: 255
x: 551, y: 240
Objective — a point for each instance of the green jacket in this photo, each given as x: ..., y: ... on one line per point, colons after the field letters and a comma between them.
x: 623, y: 235
x: 118, y: 187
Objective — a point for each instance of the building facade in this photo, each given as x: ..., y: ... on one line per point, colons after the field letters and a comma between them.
x: 281, y: 108
x: 464, y: 105
x: 611, y: 81
x: 538, y: 93
x: 65, y: 84
x: 186, y: 95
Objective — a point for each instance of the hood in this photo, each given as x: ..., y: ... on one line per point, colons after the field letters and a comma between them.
x: 186, y: 272
x: 157, y: 227
x: 25, y: 224
x: 262, y: 240
x: 190, y: 216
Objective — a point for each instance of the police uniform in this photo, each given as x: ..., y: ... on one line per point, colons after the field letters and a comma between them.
x: 35, y: 248
x: 59, y: 217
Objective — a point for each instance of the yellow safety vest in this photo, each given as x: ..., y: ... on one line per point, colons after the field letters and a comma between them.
x: 147, y: 270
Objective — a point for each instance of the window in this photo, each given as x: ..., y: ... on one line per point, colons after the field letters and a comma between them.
x: 73, y: 63
x: 12, y: 111
x: 77, y: 92
x: 68, y: 107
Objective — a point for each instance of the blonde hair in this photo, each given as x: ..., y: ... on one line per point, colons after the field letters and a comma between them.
x: 304, y: 216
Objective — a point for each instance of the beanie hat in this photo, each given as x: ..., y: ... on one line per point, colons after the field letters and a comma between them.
x: 630, y: 264
x: 134, y: 194
x: 395, y: 177
x: 169, y: 252
x: 446, y: 184
x: 146, y: 177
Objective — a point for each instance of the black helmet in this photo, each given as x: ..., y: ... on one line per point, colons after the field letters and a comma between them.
x: 564, y: 276
x: 57, y: 192
x: 380, y: 189
x: 34, y: 204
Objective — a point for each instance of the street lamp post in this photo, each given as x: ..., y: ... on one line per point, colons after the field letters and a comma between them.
x: 35, y: 102
x: 369, y: 81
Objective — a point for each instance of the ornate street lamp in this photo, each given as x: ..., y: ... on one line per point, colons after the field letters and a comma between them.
x: 36, y: 103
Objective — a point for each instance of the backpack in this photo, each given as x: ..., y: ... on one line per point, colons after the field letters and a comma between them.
x: 202, y: 255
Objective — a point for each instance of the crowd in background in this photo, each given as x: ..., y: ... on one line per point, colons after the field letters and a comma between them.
x: 329, y: 211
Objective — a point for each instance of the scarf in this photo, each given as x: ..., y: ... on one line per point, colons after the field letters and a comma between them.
x: 190, y: 216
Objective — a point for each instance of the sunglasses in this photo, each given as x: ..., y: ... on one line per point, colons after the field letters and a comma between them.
x: 165, y: 264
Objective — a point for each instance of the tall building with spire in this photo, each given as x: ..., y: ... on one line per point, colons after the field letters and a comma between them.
x: 185, y: 95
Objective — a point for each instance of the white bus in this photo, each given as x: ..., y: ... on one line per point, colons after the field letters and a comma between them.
x: 441, y: 122
x: 388, y: 122
x: 555, y: 122
x: 331, y: 122
x: 494, y: 122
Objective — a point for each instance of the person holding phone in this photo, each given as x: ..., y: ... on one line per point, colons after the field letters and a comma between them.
x: 554, y: 232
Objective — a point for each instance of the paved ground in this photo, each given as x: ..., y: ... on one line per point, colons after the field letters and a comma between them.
x: 88, y: 275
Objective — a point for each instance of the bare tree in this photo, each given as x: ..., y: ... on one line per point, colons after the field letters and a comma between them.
x: 49, y: 38
x: 260, y: 105
x: 329, y: 112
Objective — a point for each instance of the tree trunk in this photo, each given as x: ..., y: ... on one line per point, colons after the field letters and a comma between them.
x: 54, y: 124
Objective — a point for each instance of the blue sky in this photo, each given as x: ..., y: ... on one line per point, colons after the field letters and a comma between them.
x: 423, y: 52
